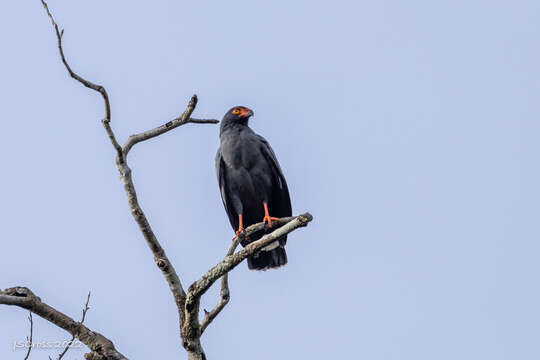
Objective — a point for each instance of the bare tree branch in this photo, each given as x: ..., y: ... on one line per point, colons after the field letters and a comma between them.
x: 31, y: 335
x: 179, y: 121
x: 101, y: 347
x: 70, y: 342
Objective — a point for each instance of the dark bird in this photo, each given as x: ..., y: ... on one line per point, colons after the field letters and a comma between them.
x: 252, y: 184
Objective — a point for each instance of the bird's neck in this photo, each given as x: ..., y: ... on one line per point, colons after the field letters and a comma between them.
x: 230, y: 125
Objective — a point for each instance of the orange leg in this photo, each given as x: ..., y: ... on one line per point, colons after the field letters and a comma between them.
x: 267, y: 218
x: 240, y: 226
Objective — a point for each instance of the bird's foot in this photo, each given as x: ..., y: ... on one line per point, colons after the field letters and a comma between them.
x: 237, y: 233
x: 240, y: 227
x: 268, y: 220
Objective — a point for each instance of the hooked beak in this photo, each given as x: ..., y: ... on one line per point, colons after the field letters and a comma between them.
x: 246, y: 113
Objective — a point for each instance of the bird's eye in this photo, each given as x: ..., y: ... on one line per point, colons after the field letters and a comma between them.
x: 236, y: 111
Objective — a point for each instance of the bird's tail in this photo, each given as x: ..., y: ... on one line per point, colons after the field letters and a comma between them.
x: 268, y: 259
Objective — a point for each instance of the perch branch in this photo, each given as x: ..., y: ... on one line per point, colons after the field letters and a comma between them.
x: 227, y: 264
x: 224, y: 293
x: 97, y: 343
x: 198, y: 288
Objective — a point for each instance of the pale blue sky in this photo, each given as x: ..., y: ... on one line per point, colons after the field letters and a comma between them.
x: 408, y: 129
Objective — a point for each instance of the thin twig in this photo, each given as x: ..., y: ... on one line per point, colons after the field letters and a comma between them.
x: 107, y: 119
x: 29, y: 344
x: 70, y: 342
x: 97, y: 343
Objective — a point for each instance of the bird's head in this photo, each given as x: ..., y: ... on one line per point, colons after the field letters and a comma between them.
x: 238, y: 114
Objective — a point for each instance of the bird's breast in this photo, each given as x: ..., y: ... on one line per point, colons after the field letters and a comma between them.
x: 240, y: 152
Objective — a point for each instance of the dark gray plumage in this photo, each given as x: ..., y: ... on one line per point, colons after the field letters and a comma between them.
x: 249, y: 176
